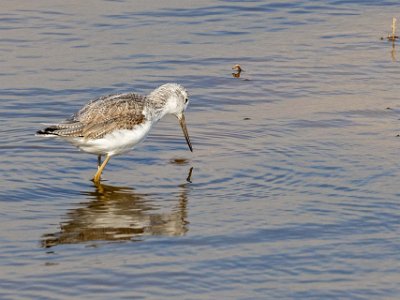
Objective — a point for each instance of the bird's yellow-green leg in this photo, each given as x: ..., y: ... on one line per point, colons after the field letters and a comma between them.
x: 97, y: 176
x: 98, y: 162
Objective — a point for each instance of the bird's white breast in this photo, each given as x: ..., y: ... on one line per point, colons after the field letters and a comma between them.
x: 116, y: 142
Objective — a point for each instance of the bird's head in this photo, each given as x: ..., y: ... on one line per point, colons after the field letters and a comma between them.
x: 173, y: 99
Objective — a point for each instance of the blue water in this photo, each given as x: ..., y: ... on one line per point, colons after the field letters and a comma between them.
x: 291, y: 191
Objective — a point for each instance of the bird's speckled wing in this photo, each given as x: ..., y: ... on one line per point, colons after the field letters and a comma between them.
x: 102, y: 116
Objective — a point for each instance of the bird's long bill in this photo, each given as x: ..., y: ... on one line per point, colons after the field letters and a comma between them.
x: 185, y: 131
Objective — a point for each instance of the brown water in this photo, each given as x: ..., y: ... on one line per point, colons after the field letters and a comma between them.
x: 294, y: 176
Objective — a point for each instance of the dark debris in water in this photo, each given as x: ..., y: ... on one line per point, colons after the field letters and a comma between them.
x: 390, y: 38
x: 179, y: 161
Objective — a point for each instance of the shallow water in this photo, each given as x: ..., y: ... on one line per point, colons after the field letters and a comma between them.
x: 291, y: 191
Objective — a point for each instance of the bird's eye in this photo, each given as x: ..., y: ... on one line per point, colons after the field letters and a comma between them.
x: 186, y: 100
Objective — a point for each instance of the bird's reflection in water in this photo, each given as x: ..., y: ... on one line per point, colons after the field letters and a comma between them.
x: 118, y: 214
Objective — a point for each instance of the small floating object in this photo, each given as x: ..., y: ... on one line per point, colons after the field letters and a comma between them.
x: 238, y: 70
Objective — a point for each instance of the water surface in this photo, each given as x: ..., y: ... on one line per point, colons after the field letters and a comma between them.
x: 291, y: 191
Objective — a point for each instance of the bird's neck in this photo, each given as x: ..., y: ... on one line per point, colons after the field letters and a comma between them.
x: 155, y: 107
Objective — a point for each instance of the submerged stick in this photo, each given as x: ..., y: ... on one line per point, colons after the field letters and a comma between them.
x: 393, y: 36
x: 394, y: 26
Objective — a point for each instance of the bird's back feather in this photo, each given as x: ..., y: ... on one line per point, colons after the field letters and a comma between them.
x: 100, y: 117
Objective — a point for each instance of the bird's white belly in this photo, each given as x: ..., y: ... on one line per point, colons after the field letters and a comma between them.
x: 117, y: 142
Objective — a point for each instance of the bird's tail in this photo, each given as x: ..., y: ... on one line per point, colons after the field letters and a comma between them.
x: 48, y: 131
x: 66, y: 129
